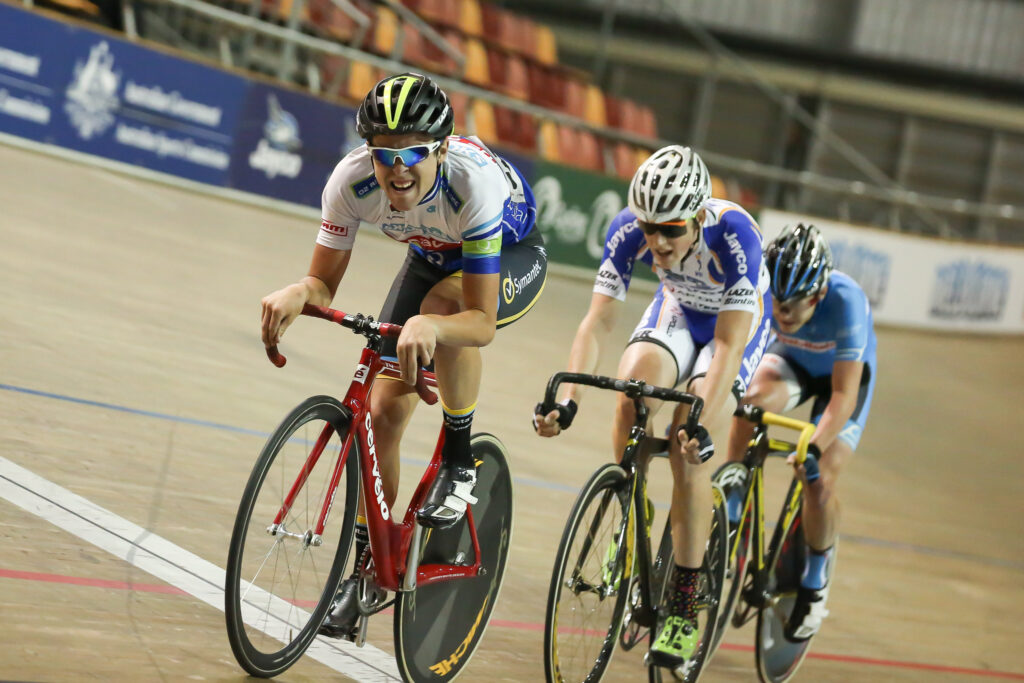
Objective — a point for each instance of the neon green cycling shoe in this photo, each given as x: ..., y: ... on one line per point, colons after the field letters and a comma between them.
x: 676, y: 643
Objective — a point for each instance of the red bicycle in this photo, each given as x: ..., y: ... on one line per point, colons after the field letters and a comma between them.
x: 295, y: 523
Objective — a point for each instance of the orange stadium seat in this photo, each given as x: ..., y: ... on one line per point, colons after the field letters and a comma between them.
x: 385, y: 31
x: 361, y: 79
x: 640, y: 156
x: 549, y: 144
x: 470, y: 18
x: 460, y: 107
x: 594, y: 110
x: 575, y: 98
x: 547, y: 52
x: 477, y: 70
x: 484, y: 125
x: 624, y: 160
x: 719, y: 189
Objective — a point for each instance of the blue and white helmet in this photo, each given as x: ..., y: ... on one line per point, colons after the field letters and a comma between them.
x: 672, y: 185
x: 799, y: 262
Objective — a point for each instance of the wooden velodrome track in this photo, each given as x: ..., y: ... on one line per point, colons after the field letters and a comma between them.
x: 132, y: 379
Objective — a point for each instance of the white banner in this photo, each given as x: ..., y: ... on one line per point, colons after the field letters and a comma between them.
x: 922, y: 282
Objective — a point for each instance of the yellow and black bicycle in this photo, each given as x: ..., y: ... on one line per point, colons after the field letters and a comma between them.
x: 762, y: 581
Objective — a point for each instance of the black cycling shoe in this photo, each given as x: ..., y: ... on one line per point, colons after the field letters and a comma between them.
x: 449, y: 496
x: 341, y: 620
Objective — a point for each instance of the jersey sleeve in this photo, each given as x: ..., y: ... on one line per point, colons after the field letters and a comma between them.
x: 339, y: 212
x: 624, y: 244
x: 738, y: 249
x: 852, y: 325
x: 481, y: 219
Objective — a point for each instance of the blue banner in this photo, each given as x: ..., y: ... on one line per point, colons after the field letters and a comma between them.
x: 98, y: 94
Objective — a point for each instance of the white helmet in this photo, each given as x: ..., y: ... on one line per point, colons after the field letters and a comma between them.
x: 671, y: 185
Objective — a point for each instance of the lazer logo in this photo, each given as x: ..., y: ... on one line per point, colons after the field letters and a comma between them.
x: 736, y: 249
x: 378, y: 485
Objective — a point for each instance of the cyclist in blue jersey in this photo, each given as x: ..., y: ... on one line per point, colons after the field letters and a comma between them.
x: 823, y: 348
x: 706, y: 328
x: 475, y: 263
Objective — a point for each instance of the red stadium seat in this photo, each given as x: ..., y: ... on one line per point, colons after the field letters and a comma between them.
x: 624, y: 159
x: 590, y: 156
x: 575, y: 98
x: 460, y: 107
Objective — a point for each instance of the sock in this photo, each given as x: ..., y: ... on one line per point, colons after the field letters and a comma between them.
x: 362, y: 539
x: 683, y: 601
x: 457, y: 424
x: 815, y: 574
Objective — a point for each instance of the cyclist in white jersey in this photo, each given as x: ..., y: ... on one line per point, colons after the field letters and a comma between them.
x: 706, y: 327
x: 475, y: 263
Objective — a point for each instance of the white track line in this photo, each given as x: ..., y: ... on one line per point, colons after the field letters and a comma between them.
x: 164, y: 560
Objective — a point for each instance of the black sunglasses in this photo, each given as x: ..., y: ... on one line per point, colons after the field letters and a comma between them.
x: 670, y: 230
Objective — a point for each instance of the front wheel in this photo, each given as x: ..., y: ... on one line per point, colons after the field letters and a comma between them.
x: 438, y: 626
x: 281, y: 576
x: 589, y: 583
x: 709, y: 588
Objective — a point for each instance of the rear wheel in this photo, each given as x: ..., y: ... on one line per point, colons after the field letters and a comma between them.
x: 438, y: 626
x: 281, y: 577
x: 589, y: 584
x: 709, y: 588
x: 778, y: 658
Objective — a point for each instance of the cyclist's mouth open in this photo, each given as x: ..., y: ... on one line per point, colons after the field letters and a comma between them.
x: 403, y: 186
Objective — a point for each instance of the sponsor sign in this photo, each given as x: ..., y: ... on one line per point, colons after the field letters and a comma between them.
x: 923, y: 282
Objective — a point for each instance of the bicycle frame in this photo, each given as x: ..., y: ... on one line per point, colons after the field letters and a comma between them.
x: 395, y: 546
x: 639, y: 449
x: 760, y: 449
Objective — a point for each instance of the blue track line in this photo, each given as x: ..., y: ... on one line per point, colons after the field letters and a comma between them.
x: 525, y: 481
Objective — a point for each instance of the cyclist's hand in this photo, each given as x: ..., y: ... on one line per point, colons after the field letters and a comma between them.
x: 416, y: 346
x: 279, y: 310
x: 699, y: 449
x: 555, y: 421
x: 809, y: 471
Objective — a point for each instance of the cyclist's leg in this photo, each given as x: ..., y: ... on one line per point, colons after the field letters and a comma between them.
x: 458, y: 369
x: 661, y: 352
x: 776, y: 387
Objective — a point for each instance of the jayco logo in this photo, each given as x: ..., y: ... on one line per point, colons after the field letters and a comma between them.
x: 736, y: 249
x: 971, y: 290
x: 274, y: 155
x: 572, y: 224
x: 92, y: 94
x: 378, y: 485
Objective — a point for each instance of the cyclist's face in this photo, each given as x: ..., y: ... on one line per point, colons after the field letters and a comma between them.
x: 794, y: 314
x: 405, y: 185
x: 669, y: 242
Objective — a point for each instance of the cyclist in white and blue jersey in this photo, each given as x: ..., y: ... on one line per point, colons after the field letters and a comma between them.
x: 706, y: 328
x: 823, y: 348
x: 475, y: 263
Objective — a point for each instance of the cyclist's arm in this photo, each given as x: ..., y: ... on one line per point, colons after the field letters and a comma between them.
x: 846, y: 376
x: 475, y: 325
x: 731, y: 330
x: 587, y: 345
x: 280, y: 308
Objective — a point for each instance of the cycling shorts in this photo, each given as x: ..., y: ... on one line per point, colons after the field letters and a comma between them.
x: 664, y: 323
x: 802, y: 386
x: 524, y: 267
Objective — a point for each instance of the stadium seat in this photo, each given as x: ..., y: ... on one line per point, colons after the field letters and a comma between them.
x: 575, y: 98
x: 470, y: 18
x: 548, y: 141
x: 546, y: 86
x: 385, y: 32
x: 547, y: 52
x: 361, y: 78
x: 491, y: 18
x: 719, y: 190
x: 477, y: 70
x: 483, y: 123
x: 594, y: 108
x: 624, y: 160
x: 591, y: 155
x: 460, y: 107
x: 648, y: 122
x: 614, y: 109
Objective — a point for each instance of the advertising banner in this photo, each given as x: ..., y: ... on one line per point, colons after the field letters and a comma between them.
x: 924, y: 282
x: 288, y: 143
x: 98, y: 94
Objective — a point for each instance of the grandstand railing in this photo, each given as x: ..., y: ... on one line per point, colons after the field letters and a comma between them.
x: 843, y: 188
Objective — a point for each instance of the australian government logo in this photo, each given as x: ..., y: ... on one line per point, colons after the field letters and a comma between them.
x: 972, y: 290
x: 870, y: 268
x: 92, y: 95
x: 275, y: 153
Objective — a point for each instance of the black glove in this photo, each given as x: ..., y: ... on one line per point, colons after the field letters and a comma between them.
x: 566, y: 412
x: 707, y: 449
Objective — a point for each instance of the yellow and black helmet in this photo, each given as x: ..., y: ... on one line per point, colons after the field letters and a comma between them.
x: 407, y: 103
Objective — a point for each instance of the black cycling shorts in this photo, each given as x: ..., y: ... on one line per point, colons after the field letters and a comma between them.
x: 524, y: 270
